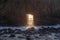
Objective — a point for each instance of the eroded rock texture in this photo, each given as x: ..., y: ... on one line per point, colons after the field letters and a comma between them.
x: 13, y: 12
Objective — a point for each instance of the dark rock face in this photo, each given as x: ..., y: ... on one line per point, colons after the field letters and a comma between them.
x: 13, y: 12
x: 3, y: 1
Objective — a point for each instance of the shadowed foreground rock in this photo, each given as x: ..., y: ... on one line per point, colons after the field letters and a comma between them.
x: 13, y: 12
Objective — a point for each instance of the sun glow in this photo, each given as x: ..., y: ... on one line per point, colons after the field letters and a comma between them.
x: 30, y: 21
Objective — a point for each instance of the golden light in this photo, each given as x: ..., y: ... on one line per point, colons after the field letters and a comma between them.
x: 30, y: 21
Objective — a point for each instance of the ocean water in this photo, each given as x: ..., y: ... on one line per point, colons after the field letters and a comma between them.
x: 48, y: 36
x: 24, y: 27
x: 52, y: 36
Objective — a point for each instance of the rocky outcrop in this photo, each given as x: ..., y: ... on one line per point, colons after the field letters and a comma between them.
x: 13, y: 12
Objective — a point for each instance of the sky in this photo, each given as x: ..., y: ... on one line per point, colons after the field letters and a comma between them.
x: 13, y: 12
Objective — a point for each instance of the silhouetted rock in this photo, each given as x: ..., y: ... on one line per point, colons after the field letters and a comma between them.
x: 13, y: 12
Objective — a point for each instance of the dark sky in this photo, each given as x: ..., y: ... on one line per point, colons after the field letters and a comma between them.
x: 13, y: 12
